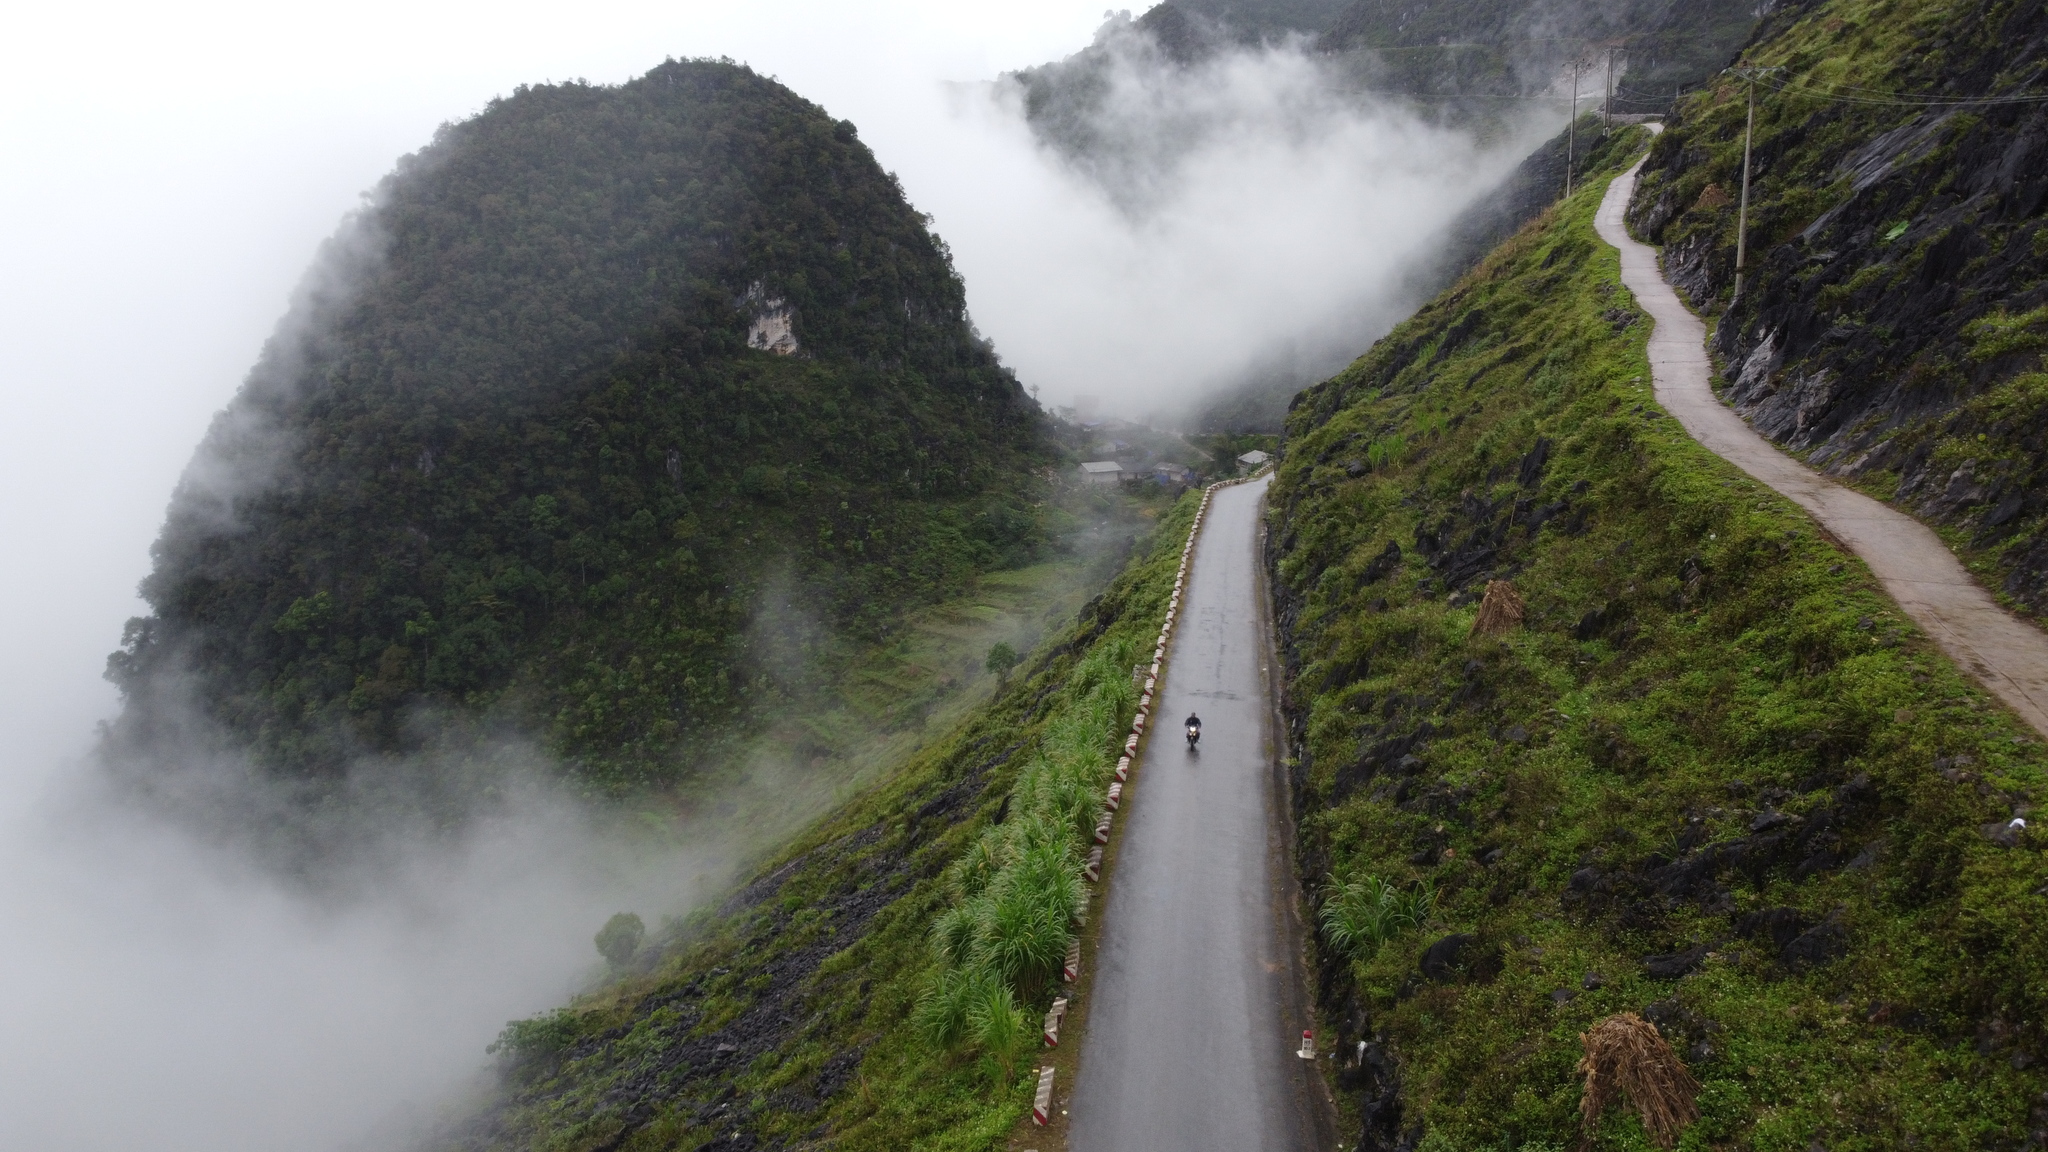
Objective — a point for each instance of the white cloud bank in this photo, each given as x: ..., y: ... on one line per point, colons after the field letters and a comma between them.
x: 1245, y: 211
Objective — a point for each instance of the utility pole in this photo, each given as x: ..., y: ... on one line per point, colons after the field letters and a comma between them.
x: 1751, y: 75
x: 1571, y: 131
x: 1607, y: 94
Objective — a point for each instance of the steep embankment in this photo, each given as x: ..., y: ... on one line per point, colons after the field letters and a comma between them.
x: 880, y: 984
x: 1712, y: 776
x: 612, y: 408
x: 1897, y: 307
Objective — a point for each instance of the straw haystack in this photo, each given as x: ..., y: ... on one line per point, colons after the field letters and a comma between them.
x: 1501, y: 611
x: 1626, y: 1056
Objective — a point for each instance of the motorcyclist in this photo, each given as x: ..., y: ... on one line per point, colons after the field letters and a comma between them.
x: 1194, y: 727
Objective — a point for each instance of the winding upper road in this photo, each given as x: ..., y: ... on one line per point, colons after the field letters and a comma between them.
x: 2009, y: 655
x: 1198, y: 1003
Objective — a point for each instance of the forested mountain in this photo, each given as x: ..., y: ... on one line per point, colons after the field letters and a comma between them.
x: 599, y: 392
x: 1897, y: 305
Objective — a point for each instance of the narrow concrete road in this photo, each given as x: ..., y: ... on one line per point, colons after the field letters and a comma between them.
x: 1198, y: 1002
x: 2009, y: 655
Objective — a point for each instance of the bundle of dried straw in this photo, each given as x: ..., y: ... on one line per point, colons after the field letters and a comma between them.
x: 1501, y: 611
x: 1625, y: 1055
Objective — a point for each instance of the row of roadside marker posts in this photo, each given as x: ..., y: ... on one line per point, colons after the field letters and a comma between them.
x: 1041, y: 1108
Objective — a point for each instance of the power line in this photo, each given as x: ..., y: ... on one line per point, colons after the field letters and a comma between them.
x: 1457, y: 95
x: 1476, y: 44
x: 1851, y: 94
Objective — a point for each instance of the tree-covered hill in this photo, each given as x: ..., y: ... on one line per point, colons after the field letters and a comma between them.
x: 605, y: 408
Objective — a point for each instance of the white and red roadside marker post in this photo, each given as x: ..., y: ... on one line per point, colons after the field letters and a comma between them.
x: 1052, y: 1022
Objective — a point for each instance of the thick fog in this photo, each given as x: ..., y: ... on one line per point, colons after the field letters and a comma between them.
x: 172, y: 171
x: 1238, y: 216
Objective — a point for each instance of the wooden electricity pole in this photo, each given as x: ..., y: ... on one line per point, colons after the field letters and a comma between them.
x: 1571, y: 132
x: 1607, y: 93
x: 1751, y: 76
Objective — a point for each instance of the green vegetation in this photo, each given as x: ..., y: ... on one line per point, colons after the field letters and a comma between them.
x: 1001, y: 658
x: 1891, y: 248
x: 878, y: 983
x: 1017, y: 892
x: 523, y: 460
x: 620, y: 938
x: 1716, y: 778
x: 1359, y: 916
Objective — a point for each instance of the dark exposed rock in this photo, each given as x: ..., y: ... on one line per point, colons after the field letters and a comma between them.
x: 1440, y: 960
x: 2005, y: 834
x: 1672, y: 965
x: 1377, y: 1079
x: 1782, y: 925
x: 1816, y: 946
x: 1382, y: 565
x: 1531, y: 472
x: 1769, y: 819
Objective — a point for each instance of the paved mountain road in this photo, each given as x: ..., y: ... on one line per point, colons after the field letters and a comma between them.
x: 2009, y: 655
x: 1198, y: 1003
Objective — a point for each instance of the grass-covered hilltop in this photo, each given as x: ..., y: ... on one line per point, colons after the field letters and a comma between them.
x: 1708, y: 773
x: 605, y: 413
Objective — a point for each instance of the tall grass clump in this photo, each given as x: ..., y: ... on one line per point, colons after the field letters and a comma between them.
x: 1016, y: 890
x: 1362, y: 914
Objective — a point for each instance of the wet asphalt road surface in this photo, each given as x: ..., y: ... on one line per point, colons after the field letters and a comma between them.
x: 1197, y: 1012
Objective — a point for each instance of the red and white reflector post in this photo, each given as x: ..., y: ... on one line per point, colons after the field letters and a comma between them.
x: 1052, y: 1022
x: 1041, y: 1107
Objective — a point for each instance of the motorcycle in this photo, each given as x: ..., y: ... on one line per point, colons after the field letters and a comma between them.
x: 1194, y: 734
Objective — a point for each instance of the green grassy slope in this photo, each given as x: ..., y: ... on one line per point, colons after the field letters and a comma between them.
x: 1716, y: 778
x: 1897, y: 309
x: 787, y: 1017
x: 516, y: 458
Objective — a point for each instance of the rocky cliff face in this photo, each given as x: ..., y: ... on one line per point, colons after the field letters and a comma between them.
x: 1892, y: 325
